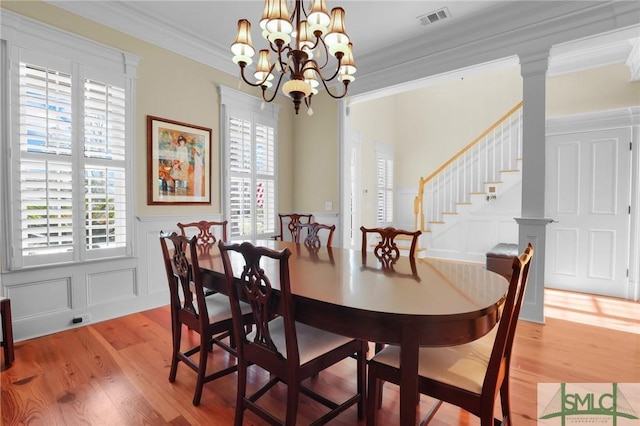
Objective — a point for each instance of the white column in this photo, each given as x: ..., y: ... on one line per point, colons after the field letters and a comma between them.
x: 532, y: 224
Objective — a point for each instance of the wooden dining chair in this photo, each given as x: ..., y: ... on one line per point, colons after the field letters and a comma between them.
x: 209, y: 316
x: 386, y: 248
x: 204, y: 231
x: 469, y: 376
x: 290, y: 351
x: 312, y: 237
x: 207, y: 233
x: 290, y: 221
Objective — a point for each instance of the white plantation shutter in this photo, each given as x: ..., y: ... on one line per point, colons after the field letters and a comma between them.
x: 250, y: 147
x: 104, y: 173
x: 265, y: 179
x: 105, y: 207
x: 45, y: 111
x: 46, y: 207
x: 68, y: 190
x: 240, y: 171
x: 384, y: 185
x: 46, y: 172
x: 104, y: 121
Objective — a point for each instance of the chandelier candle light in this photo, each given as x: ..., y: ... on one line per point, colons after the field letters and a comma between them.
x: 294, y: 38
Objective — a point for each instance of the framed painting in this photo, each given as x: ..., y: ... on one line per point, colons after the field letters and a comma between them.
x: 178, y: 162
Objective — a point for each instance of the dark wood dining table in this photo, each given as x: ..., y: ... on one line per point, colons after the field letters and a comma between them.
x: 419, y: 302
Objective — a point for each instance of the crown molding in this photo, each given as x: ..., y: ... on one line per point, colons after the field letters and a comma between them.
x: 29, y: 33
x: 120, y: 16
x: 633, y: 62
x: 623, y: 117
x: 510, y: 29
x: 545, y: 25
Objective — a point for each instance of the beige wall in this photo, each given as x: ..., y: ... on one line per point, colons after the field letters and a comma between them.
x: 598, y: 89
x: 374, y: 121
x: 315, y: 156
x: 173, y: 87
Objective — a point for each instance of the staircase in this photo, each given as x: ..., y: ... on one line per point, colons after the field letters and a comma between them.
x: 476, y: 175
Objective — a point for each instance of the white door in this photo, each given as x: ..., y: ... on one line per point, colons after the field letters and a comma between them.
x: 351, y: 191
x: 588, y: 195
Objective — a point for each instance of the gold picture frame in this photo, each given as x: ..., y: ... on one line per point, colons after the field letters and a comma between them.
x: 178, y: 162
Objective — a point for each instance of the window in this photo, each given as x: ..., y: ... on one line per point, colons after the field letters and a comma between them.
x: 71, y: 136
x: 384, y: 185
x: 250, y: 145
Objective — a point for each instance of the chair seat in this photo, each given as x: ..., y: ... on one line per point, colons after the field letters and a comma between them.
x: 219, y: 309
x: 462, y: 366
x: 312, y: 342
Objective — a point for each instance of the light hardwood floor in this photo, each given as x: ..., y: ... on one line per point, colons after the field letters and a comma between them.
x: 116, y: 372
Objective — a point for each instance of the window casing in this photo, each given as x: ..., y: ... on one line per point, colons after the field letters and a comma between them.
x: 250, y: 166
x: 70, y: 134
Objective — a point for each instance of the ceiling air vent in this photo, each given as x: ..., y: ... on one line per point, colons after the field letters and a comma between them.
x: 433, y: 17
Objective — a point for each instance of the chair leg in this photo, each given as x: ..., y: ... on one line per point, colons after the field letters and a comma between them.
x: 505, y: 402
x: 486, y: 416
x: 378, y: 348
x: 242, y: 390
x: 176, y: 336
x: 7, y: 332
x: 374, y: 390
x: 362, y: 380
x: 293, y: 396
x: 202, y: 369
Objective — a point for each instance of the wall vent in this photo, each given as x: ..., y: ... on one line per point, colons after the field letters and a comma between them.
x: 433, y: 17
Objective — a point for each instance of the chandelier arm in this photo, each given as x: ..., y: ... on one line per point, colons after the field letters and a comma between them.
x: 295, y: 15
x: 346, y: 88
x: 243, y: 65
x: 335, y: 74
x: 320, y: 42
x: 275, y: 91
x: 302, y: 8
x: 279, y: 51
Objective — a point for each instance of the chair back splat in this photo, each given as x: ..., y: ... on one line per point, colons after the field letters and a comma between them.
x: 312, y: 238
x: 386, y: 249
x: 471, y: 375
x: 291, y: 221
x: 290, y: 351
x: 204, y: 231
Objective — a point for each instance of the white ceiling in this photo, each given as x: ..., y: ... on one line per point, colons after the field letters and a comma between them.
x: 371, y: 24
x: 204, y: 30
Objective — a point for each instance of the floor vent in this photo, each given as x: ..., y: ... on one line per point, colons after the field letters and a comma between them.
x: 433, y: 17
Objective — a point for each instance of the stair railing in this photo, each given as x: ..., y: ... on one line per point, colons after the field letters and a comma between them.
x: 468, y: 172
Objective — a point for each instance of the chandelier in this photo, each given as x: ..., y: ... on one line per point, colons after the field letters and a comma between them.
x: 307, y: 43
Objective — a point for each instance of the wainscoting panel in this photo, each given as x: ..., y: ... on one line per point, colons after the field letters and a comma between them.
x: 111, y: 286
x: 54, y: 296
